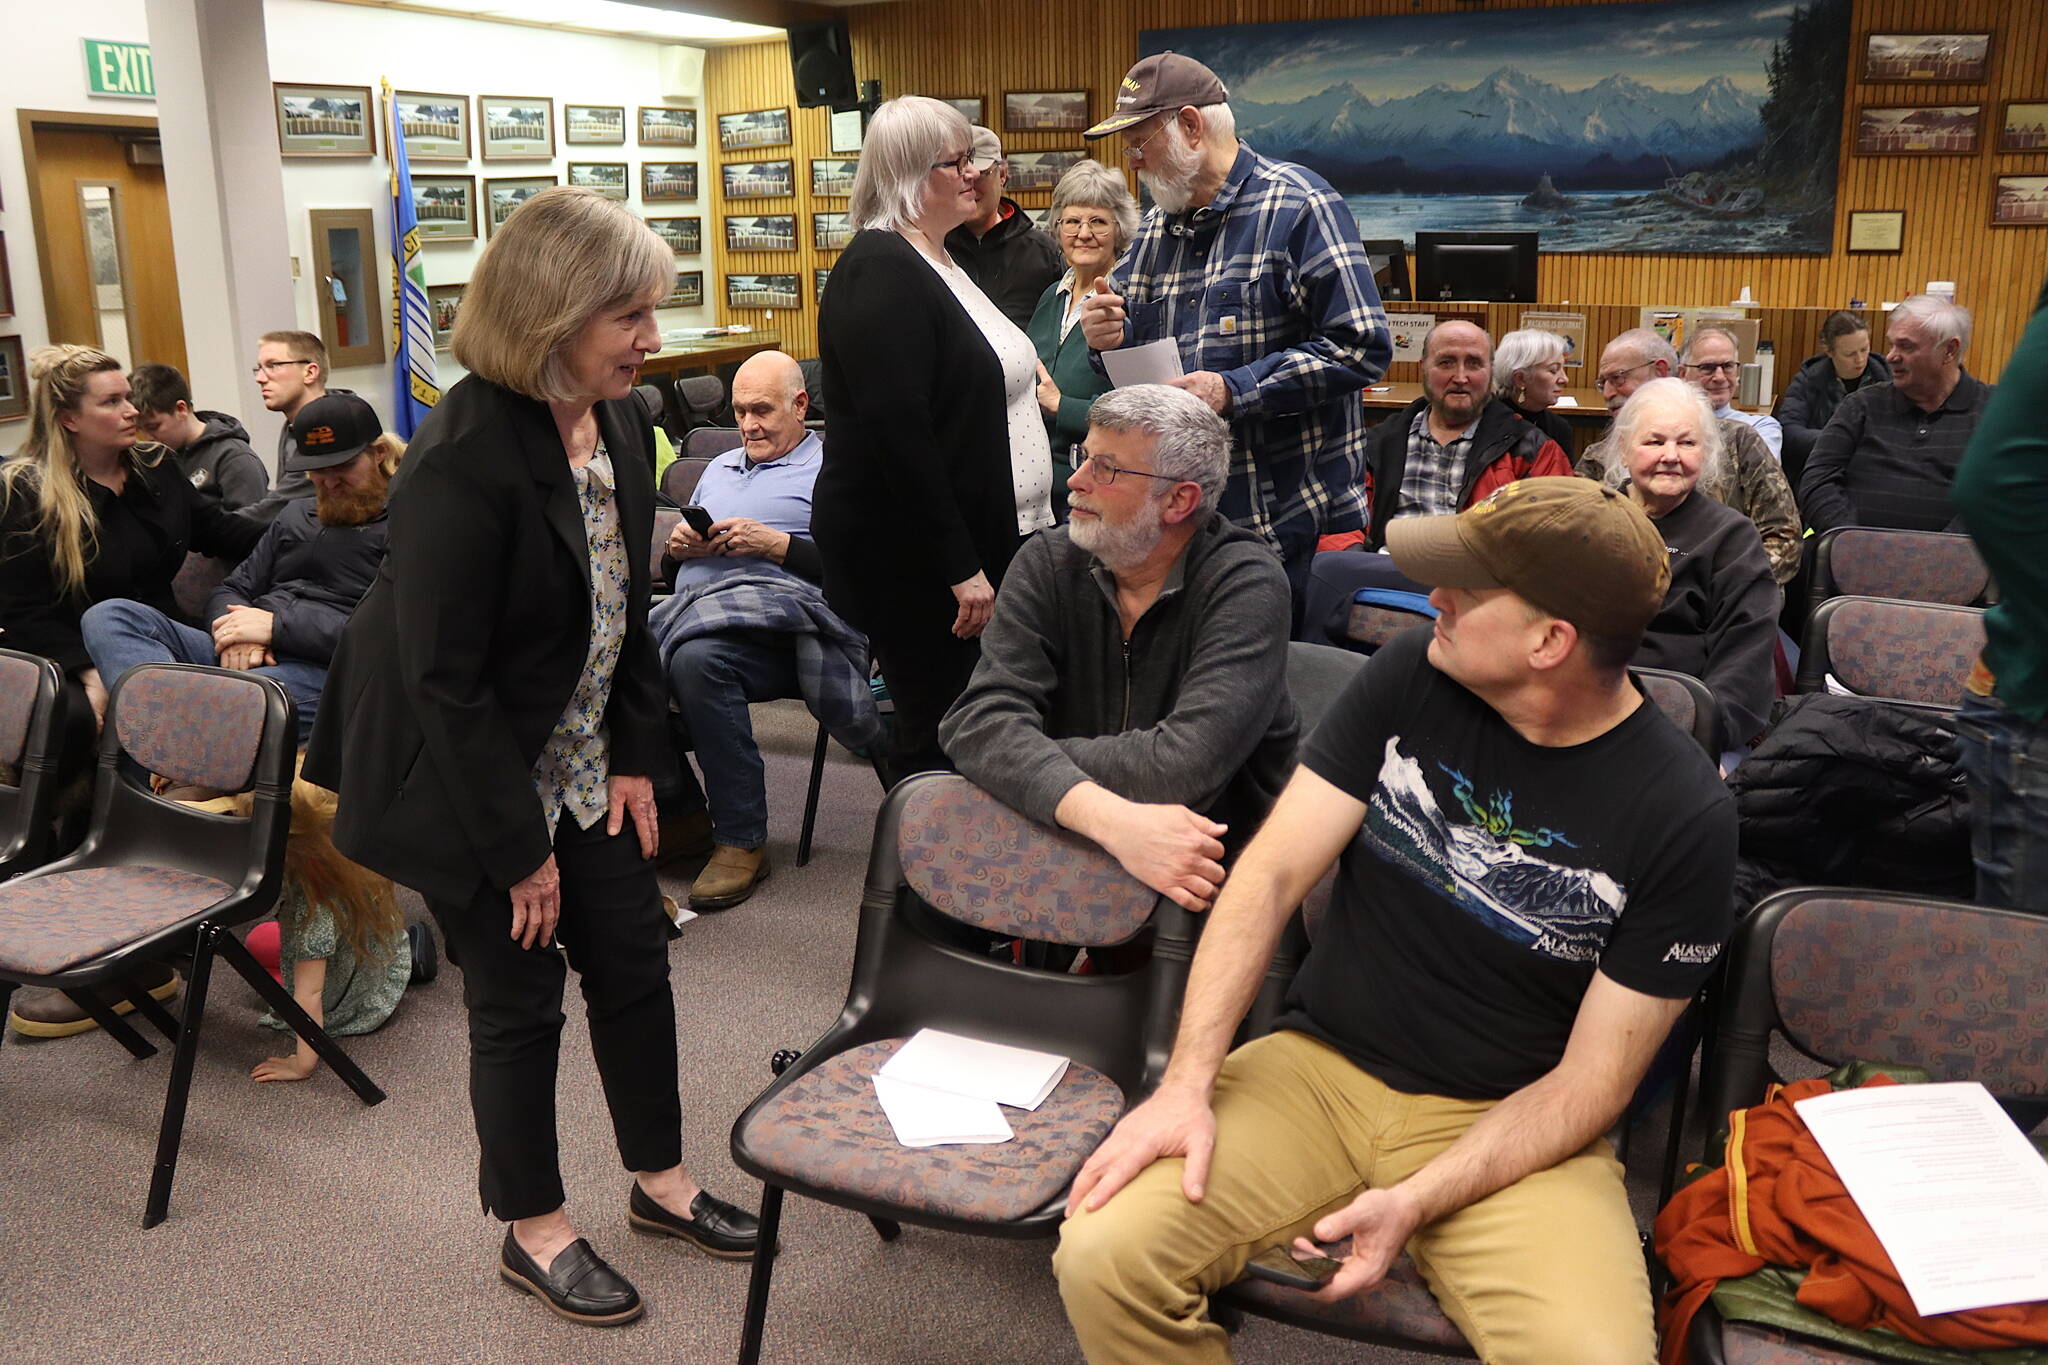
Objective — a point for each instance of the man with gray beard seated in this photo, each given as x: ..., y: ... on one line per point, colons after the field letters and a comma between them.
x: 1132, y: 684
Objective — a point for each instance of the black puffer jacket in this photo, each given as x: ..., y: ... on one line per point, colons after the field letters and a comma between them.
x: 1810, y: 400
x: 1853, y: 792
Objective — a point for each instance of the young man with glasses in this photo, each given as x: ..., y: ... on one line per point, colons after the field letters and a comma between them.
x: 999, y: 248
x: 290, y: 372
x: 1132, y: 684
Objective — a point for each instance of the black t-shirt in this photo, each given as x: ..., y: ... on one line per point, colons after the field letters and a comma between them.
x: 1492, y: 875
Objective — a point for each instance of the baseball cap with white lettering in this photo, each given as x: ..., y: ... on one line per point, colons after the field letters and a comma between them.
x: 1162, y: 84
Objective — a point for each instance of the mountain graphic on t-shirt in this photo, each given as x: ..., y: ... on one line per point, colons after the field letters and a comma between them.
x: 1561, y: 912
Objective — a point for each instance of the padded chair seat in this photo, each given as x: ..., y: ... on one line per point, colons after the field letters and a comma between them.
x: 1401, y: 1308
x: 827, y: 1131
x: 56, y: 921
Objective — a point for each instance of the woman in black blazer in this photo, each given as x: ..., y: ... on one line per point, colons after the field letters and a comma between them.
x: 501, y: 708
x: 936, y: 457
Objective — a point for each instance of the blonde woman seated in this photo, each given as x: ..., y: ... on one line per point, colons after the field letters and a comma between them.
x: 1719, y: 621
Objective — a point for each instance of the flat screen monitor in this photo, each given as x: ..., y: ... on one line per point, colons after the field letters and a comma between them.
x: 1498, y: 267
x: 1388, y: 258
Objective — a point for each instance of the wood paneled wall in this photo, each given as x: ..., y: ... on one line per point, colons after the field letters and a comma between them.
x: 984, y: 47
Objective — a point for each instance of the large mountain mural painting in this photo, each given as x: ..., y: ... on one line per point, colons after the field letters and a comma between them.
x: 1632, y: 127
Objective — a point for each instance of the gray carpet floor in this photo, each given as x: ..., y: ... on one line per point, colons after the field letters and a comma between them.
x: 307, y: 1227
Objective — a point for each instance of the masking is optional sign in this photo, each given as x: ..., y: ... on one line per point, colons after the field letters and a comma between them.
x: 119, y: 70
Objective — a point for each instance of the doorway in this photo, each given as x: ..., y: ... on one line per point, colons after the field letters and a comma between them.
x: 103, y: 235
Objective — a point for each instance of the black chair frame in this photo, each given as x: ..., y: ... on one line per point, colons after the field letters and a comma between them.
x: 28, y: 808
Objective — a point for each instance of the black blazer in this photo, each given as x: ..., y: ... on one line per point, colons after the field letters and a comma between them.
x: 460, y: 659
x: 916, y: 490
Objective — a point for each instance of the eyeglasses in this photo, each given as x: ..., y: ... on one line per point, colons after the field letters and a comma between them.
x: 1614, y: 378
x: 1099, y: 467
x: 965, y: 166
x: 1074, y: 227
x: 273, y: 366
x: 1714, y: 366
x: 1133, y: 152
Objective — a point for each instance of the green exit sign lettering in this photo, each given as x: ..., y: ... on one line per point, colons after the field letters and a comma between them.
x: 119, y: 70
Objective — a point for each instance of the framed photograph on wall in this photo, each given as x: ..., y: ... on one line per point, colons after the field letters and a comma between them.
x: 436, y: 127
x: 833, y: 178
x: 761, y: 291
x: 1951, y: 58
x: 594, y: 125
x: 818, y: 278
x: 685, y: 236
x: 1045, y: 111
x: 755, y: 128
x: 324, y: 120
x: 2019, y: 201
x: 608, y: 178
x: 973, y: 108
x: 662, y: 126
x: 1876, y: 232
x: 758, y: 179
x: 846, y: 130
x: 6, y: 282
x: 504, y: 195
x: 661, y: 180
x: 516, y: 127
x: 1919, y: 129
x: 761, y: 232
x: 1042, y: 170
x: 13, y: 380
x: 445, y: 206
x: 2023, y: 126
x: 831, y: 231
x: 688, y: 293
x: 443, y: 302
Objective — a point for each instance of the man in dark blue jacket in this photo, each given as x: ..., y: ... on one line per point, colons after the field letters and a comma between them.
x: 281, y: 612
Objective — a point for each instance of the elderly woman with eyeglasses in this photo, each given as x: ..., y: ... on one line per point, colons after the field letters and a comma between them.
x: 936, y: 458
x: 1093, y: 219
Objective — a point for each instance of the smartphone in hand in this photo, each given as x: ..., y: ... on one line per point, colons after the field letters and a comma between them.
x: 699, y: 519
x: 1280, y: 1266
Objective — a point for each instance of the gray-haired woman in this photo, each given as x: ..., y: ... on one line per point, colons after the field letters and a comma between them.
x: 1092, y: 219
x: 1528, y: 375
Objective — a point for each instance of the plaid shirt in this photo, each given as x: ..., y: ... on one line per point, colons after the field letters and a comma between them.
x: 1434, y: 473
x: 1268, y: 286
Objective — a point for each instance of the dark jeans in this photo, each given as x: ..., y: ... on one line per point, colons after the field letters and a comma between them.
x: 2005, y: 762
x: 616, y: 934
x: 712, y: 679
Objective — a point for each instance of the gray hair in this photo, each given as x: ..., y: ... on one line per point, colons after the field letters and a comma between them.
x: 1519, y: 351
x: 1661, y: 393
x: 1942, y: 320
x: 1692, y: 343
x: 1092, y: 185
x: 903, y: 139
x: 1191, y: 444
x: 1219, y: 123
x: 1647, y: 344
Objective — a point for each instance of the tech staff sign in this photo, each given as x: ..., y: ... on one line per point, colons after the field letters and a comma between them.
x: 119, y: 70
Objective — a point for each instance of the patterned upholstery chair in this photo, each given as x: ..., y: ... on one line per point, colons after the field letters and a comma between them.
x: 679, y: 480
x: 1688, y: 703
x: 32, y: 705
x: 155, y: 877
x: 195, y: 581
x: 1872, y: 976
x: 947, y: 853
x: 1897, y: 651
x: 1914, y: 566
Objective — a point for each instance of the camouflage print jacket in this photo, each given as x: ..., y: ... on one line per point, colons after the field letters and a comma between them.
x: 1751, y: 482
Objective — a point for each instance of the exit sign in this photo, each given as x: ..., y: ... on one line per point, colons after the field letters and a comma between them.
x: 119, y: 70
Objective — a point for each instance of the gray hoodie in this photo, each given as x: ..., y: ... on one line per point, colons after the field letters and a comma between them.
x: 222, y: 465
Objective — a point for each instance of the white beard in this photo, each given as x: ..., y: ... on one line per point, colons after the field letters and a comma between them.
x: 1180, y: 162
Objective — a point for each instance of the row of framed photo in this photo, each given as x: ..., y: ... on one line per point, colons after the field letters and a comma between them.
x: 445, y: 206
x: 335, y: 120
x: 444, y: 301
x: 1949, y: 129
x: 1946, y: 58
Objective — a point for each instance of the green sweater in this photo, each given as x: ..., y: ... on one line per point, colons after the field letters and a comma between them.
x: 2001, y: 494
x: 1067, y: 362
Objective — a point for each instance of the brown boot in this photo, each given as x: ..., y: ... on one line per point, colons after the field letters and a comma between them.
x: 42, y: 1012
x: 686, y: 836
x: 729, y: 878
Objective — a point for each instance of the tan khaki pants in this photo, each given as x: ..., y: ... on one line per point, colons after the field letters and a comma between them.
x: 1546, y: 1272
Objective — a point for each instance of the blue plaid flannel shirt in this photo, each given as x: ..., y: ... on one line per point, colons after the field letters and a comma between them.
x: 1268, y: 286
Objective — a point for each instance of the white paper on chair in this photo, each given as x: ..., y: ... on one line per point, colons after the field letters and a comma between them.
x: 1156, y: 362
x: 938, y: 1060
x: 1956, y: 1194
x: 923, y: 1117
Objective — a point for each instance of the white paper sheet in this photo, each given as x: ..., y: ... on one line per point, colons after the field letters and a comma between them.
x: 938, y: 1060
x: 931, y: 1118
x: 1155, y: 362
x: 1567, y: 401
x: 1956, y: 1195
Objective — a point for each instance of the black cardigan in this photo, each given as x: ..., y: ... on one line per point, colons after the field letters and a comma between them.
x: 916, y: 491
x: 456, y: 667
x: 144, y: 534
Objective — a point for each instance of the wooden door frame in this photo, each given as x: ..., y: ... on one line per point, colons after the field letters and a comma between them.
x: 61, y: 120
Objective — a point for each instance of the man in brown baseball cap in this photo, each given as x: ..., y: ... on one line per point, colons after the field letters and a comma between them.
x: 1536, y: 879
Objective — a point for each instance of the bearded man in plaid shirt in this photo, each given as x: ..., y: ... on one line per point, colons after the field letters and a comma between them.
x: 1254, y: 268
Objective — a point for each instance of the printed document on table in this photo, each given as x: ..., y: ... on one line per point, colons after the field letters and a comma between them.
x: 1156, y: 362
x: 938, y: 1060
x: 1956, y: 1194
x: 931, y: 1118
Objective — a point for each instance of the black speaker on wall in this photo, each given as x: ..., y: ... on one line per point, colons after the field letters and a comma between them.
x: 822, y: 60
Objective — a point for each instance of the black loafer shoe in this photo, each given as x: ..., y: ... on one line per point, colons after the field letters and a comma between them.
x: 714, y: 1225
x: 579, y: 1286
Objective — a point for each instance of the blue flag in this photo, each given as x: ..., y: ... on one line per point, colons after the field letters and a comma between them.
x: 417, y: 387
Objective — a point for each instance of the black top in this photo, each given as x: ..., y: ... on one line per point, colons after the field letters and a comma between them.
x: 1883, y: 461
x: 309, y: 576
x: 144, y: 534
x: 915, y: 493
x: 1811, y: 399
x: 1013, y: 262
x: 458, y: 664
x: 1492, y: 875
x: 1719, y: 621
x: 1552, y: 425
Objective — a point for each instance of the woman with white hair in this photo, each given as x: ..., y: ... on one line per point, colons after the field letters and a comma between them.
x: 1720, y: 616
x: 1528, y: 375
x: 1093, y: 219
x: 937, y: 463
